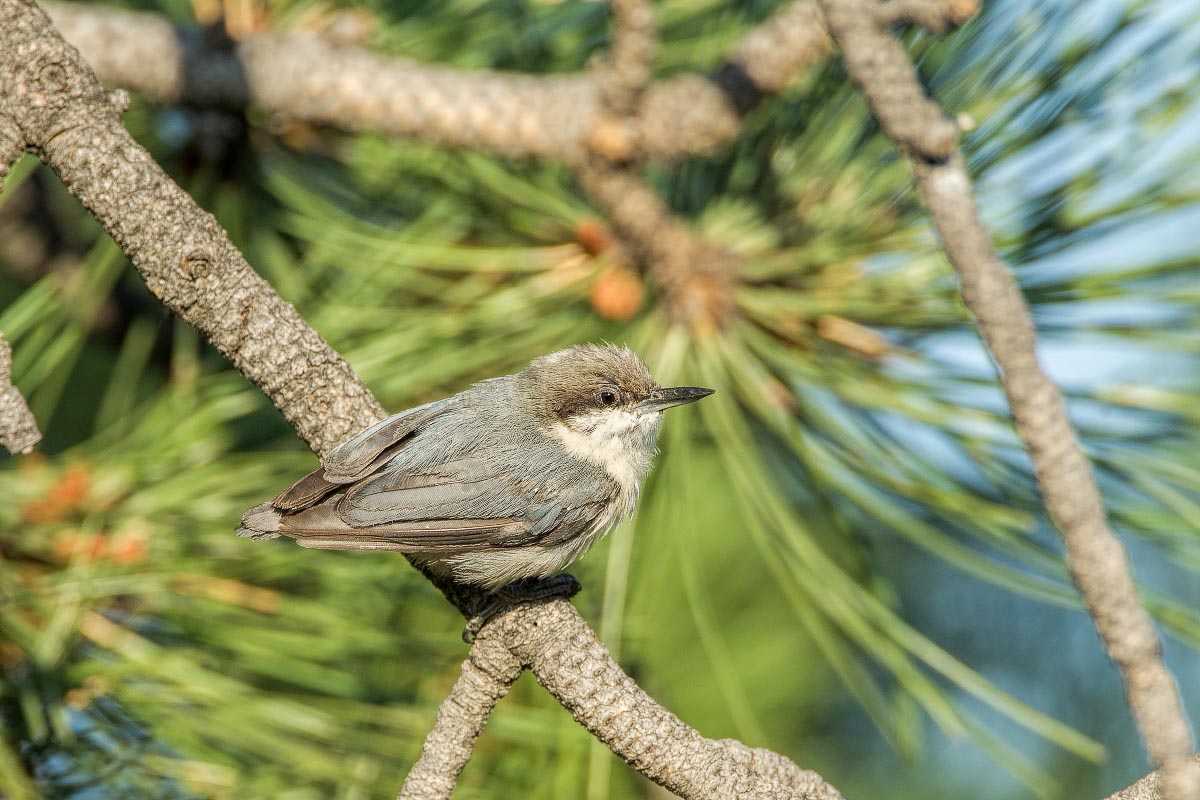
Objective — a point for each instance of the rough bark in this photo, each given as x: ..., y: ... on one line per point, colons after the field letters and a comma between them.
x: 576, y: 668
x: 18, y: 429
x: 52, y: 104
x: 487, y: 675
x: 771, y: 54
x: 509, y: 114
x: 1148, y: 788
x: 1095, y: 557
x: 626, y: 74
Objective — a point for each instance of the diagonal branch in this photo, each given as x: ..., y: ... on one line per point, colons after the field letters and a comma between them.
x: 181, y: 252
x: 487, y: 675
x: 61, y: 112
x: 576, y: 668
x: 510, y: 114
x: 1099, y: 564
x: 879, y: 65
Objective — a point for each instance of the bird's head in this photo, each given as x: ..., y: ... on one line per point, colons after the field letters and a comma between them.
x: 598, y: 396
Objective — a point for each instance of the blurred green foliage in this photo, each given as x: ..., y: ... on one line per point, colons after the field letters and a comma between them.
x: 146, y: 652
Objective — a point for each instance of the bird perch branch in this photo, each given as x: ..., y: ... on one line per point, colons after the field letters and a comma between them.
x: 59, y: 110
x: 1096, y: 558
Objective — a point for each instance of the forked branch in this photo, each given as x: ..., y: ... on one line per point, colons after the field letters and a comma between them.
x: 506, y: 113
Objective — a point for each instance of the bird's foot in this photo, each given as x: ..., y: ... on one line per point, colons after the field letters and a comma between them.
x: 528, y: 590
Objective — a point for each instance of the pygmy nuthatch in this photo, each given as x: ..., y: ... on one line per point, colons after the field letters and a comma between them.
x: 516, y: 477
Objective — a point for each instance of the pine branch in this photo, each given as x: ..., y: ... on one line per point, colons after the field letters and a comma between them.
x: 509, y: 114
x: 1099, y: 564
x: 52, y: 101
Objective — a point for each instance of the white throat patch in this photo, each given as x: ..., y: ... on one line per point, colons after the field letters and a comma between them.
x: 619, y: 441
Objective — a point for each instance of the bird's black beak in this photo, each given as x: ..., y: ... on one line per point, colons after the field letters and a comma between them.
x: 676, y: 396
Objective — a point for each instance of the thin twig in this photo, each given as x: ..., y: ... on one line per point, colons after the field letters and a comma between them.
x: 487, y: 674
x: 18, y: 429
x: 1098, y: 562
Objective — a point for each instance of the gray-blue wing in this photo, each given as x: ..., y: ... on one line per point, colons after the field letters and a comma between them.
x: 365, y: 452
x: 465, y: 504
x: 358, y: 457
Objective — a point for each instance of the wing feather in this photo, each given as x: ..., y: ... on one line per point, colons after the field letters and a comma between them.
x: 365, y: 452
x: 461, y: 500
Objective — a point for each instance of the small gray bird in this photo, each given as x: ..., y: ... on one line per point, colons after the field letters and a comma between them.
x: 514, y: 478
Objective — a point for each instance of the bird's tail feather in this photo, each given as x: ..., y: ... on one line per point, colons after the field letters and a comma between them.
x: 260, y: 522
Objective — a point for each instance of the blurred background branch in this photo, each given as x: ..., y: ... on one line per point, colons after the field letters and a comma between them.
x: 510, y: 114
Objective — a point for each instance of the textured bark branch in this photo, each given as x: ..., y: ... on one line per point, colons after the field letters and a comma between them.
x: 18, y: 429
x: 12, y: 145
x: 879, y: 65
x: 513, y: 115
x: 55, y: 106
x: 1096, y: 558
x: 770, y: 55
x: 1148, y: 788
x: 571, y: 663
x: 487, y: 675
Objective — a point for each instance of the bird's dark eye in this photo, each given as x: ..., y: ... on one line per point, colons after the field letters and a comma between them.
x: 607, y: 397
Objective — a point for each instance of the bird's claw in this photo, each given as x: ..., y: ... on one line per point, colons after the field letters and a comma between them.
x: 526, y: 591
